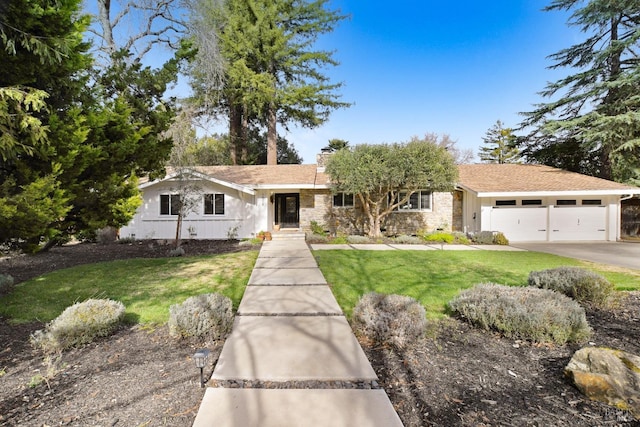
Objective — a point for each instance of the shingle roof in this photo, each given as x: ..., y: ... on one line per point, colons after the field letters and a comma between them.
x: 259, y: 175
x: 498, y: 178
x: 479, y: 178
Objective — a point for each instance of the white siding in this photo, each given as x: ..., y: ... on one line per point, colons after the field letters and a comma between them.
x: 241, y: 213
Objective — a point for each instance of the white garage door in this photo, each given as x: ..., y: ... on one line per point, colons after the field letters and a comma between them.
x: 578, y: 223
x: 520, y: 224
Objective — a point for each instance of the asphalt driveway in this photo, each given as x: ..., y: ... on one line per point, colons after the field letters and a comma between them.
x: 622, y: 254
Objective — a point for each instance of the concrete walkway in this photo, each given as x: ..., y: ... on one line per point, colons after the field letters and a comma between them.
x: 290, y: 331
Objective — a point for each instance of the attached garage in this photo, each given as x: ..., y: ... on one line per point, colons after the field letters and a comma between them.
x: 523, y: 224
x: 539, y: 203
x: 571, y: 223
x: 550, y: 222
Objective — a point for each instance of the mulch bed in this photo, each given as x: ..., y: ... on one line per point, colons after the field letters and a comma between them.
x: 142, y: 377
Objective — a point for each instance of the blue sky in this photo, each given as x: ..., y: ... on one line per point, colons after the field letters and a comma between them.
x: 415, y: 67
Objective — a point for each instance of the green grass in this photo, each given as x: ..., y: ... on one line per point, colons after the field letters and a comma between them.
x: 435, y: 277
x: 147, y: 287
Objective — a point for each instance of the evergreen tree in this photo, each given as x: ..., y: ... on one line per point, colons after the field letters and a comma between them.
x: 596, y: 107
x: 44, y: 57
x: 286, y: 153
x: 500, y: 145
x: 75, y: 169
x: 336, y: 144
x: 273, y: 74
x: 211, y: 151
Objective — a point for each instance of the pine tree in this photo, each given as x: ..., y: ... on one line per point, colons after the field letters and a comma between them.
x: 597, y: 106
x: 500, y: 145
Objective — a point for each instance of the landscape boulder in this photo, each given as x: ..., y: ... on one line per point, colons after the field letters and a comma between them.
x: 607, y: 375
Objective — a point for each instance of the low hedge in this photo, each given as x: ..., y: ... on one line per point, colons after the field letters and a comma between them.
x: 528, y: 313
x: 396, y: 320
x: 584, y: 286
x: 208, y: 316
x: 80, y: 324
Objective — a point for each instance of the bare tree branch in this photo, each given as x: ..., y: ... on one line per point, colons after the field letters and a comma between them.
x: 150, y: 23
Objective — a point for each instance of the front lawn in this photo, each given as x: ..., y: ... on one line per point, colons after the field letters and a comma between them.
x: 147, y: 287
x: 435, y: 277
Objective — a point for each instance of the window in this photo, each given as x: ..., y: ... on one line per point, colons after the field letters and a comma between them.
x: 418, y: 201
x: 532, y: 202
x: 214, y: 204
x: 505, y: 202
x: 343, y: 200
x: 170, y: 204
x: 595, y: 202
x: 565, y: 202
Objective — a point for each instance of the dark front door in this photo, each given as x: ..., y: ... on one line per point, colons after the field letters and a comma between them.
x: 288, y: 210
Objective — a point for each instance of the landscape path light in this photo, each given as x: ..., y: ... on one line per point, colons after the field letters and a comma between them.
x: 200, y: 357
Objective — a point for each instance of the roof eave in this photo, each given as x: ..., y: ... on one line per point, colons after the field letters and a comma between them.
x: 290, y: 186
x: 203, y: 177
x: 617, y: 192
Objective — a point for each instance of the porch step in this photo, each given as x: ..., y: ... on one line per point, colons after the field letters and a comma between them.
x: 288, y: 235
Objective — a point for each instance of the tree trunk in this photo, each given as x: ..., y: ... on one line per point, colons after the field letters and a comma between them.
x: 242, y: 148
x: 272, y: 142
x: 235, y: 132
x: 372, y: 211
x: 178, y: 231
x: 611, y: 99
x: 104, y: 17
x: 376, y: 227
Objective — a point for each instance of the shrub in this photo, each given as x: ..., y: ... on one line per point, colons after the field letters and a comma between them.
x: 250, y: 242
x: 582, y: 285
x: 339, y: 240
x: 176, y: 252
x: 407, y: 240
x: 539, y: 315
x: 483, y: 238
x: 80, y: 324
x: 500, y: 239
x: 207, y: 316
x: 317, y: 228
x: 389, y: 319
x: 126, y: 240
x: 358, y: 239
x: 316, y: 238
x: 106, y: 235
x: 461, y: 238
x: 6, y: 283
x: 439, y: 236
x: 232, y: 232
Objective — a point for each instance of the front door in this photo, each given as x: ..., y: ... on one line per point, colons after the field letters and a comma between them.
x: 287, y: 212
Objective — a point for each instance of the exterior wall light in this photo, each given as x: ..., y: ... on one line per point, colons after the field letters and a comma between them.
x: 200, y: 358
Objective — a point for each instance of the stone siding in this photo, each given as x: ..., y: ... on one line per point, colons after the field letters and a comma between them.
x: 440, y: 217
x: 314, y: 205
x: 317, y: 205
